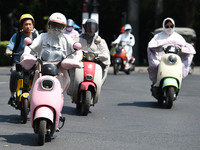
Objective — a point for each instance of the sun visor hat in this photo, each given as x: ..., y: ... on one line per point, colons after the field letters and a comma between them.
x: 70, y: 23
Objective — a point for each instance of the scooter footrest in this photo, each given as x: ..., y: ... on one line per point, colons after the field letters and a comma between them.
x: 62, y: 120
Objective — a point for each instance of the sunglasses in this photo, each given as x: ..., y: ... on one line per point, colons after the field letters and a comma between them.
x: 169, y: 26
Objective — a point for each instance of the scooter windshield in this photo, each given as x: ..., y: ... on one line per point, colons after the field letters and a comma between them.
x: 52, y: 55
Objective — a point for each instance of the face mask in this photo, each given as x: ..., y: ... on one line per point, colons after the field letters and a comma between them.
x: 169, y: 31
x: 69, y: 29
x: 54, y: 32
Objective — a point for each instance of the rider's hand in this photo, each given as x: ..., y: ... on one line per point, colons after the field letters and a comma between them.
x: 8, y: 52
x: 112, y: 44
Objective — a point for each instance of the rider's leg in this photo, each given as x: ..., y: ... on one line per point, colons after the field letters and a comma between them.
x: 105, y: 70
x: 128, y: 55
x: 13, y: 84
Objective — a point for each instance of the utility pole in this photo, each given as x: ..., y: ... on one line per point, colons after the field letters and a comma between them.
x: 94, y: 14
x: 133, y: 20
x: 85, y: 11
x: 90, y: 10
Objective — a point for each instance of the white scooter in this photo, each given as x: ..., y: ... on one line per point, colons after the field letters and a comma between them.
x: 169, y: 77
x: 87, y: 83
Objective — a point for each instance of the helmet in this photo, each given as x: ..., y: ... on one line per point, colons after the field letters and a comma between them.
x: 122, y: 29
x: 127, y: 27
x: 26, y: 16
x: 57, y: 21
x: 70, y: 23
x: 91, y: 27
x: 84, y: 21
x: 57, y: 18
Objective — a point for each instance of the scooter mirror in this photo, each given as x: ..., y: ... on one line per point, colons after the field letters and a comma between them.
x: 77, y: 46
x: 27, y: 41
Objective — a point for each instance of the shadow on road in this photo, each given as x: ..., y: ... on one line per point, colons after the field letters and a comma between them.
x: 11, y: 118
x: 69, y: 110
x: 142, y: 104
x: 27, y: 139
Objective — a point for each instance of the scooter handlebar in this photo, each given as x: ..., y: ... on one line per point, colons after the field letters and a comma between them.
x: 14, y: 54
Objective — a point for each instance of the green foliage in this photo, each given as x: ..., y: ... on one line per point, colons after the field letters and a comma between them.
x: 4, y: 60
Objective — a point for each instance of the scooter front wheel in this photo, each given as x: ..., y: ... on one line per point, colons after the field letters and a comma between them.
x: 25, y: 110
x: 42, y: 131
x: 78, y: 106
x: 170, y: 92
x: 127, y: 71
x: 86, y: 97
x: 115, y: 68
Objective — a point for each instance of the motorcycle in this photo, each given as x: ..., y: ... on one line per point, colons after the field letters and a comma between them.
x: 46, y: 98
x: 87, y: 83
x: 169, y: 77
x: 119, y: 59
x: 24, y: 84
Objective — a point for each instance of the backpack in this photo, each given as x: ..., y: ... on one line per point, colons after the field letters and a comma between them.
x: 18, y: 39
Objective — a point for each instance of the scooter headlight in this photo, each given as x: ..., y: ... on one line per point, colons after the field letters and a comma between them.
x: 172, y: 59
x: 90, y: 56
x: 47, y: 84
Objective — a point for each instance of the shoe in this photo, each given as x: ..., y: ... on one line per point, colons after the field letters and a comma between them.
x: 156, y: 92
x: 128, y: 66
x: 12, y: 101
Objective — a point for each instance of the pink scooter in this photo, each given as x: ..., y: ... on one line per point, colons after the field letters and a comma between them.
x: 87, y: 83
x: 46, y: 98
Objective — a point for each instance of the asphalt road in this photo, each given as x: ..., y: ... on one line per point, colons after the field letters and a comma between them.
x: 127, y: 117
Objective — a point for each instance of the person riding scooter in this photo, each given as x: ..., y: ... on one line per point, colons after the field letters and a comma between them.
x: 88, y: 80
x: 130, y: 42
x: 53, y: 43
x: 70, y: 29
x: 168, y: 37
x: 16, y: 45
x: 92, y: 42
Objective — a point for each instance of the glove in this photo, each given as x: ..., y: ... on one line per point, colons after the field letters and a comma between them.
x: 27, y: 61
x: 97, y: 40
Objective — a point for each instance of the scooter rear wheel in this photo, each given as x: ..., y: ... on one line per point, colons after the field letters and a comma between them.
x: 170, y: 92
x: 42, y: 131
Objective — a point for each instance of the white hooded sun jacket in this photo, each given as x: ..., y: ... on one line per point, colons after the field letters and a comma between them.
x: 166, y: 37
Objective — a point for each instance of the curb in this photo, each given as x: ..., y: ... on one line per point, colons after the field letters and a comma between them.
x: 143, y: 69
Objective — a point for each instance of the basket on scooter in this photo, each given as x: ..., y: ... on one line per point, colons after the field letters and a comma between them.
x: 18, y: 67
